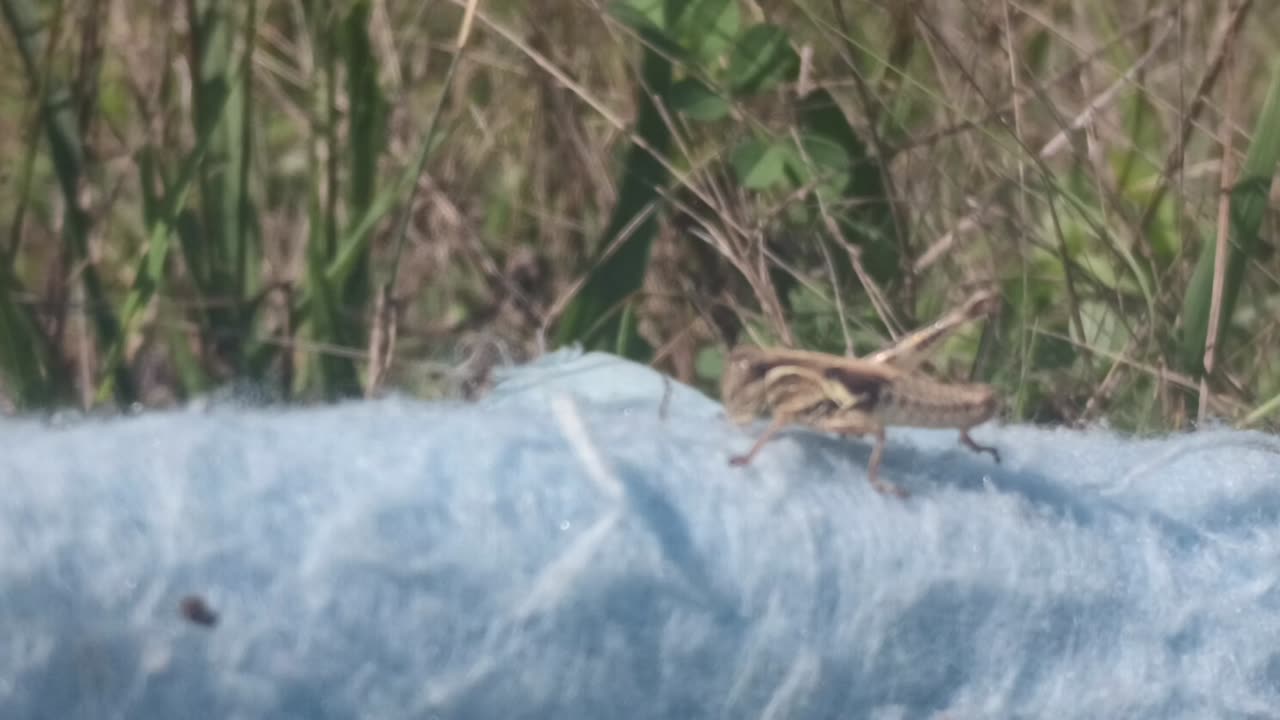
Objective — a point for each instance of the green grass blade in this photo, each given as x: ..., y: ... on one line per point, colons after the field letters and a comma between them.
x: 367, y: 134
x: 368, y: 207
x: 61, y: 131
x: 162, y: 221
x: 1260, y: 413
x: 330, y: 321
x: 1248, y: 205
x: 223, y: 112
x: 592, y: 317
x: 23, y: 352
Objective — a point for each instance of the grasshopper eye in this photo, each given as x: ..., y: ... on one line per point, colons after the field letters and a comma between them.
x: 755, y: 371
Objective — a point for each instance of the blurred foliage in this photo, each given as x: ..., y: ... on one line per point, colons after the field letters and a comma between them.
x: 211, y: 193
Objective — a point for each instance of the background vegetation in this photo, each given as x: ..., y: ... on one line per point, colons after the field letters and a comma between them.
x: 322, y: 199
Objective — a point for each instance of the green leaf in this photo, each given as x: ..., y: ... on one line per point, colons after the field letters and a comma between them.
x: 760, y: 59
x: 648, y: 19
x: 762, y: 164
x: 708, y: 27
x: 825, y: 153
x: 827, y: 165
x: 691, y: 97
x: 639, y: 14
x: 851, y: 171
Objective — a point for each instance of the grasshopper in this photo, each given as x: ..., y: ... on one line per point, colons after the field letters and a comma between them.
x: 858, y: 396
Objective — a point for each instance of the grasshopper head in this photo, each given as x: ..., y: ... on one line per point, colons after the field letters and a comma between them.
x: 742, y: 384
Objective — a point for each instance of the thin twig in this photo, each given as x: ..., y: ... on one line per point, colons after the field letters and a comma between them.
x: 1161, y: 373
x: 1060, y: 140
x: 1217, y: 61
x: 1227, y: 179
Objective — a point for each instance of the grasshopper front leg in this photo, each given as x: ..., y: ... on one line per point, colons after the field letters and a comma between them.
x: 792, y: 393
x: 774, y: 428
x: 873, y: 463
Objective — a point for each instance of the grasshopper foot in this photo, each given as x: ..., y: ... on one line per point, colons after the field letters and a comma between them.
x: 970, y: 443
x: 885, y: 488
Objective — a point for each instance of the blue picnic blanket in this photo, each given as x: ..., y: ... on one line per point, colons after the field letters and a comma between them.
x: 575, y: 545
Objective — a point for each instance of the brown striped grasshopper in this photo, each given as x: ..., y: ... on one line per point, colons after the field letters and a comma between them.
x: 858, y: 396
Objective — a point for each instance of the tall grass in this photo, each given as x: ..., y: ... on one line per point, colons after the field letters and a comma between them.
x: 324, y: 198
x: 57, y: 120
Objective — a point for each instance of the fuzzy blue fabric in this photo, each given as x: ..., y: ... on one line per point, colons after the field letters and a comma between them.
x: 576, y: 546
